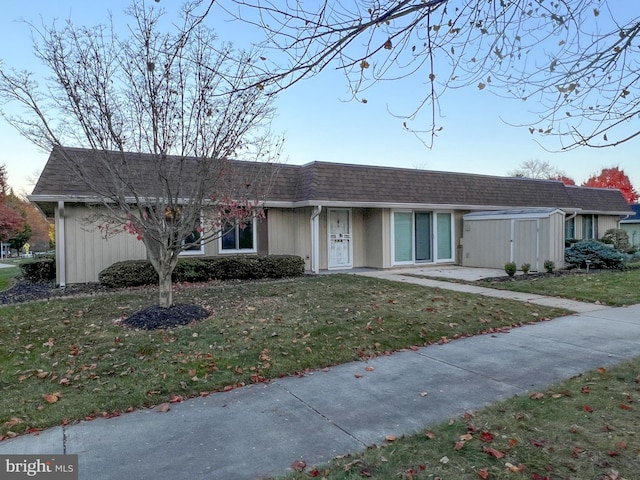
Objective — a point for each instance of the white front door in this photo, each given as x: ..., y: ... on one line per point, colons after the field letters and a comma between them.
x: 340, y: 238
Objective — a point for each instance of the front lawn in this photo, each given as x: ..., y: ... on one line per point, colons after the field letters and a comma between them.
x: 67, y: 360
x: 615, y: 288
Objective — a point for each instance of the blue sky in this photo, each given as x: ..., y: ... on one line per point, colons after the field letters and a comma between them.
x: 320, y: 124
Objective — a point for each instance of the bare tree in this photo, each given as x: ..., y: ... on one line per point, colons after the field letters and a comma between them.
x: 535, y: 168
x: 575, y: 60
x: 178, y: 101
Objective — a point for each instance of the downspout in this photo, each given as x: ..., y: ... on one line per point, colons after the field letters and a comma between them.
x: 61, y: 258
x: 315, y: 239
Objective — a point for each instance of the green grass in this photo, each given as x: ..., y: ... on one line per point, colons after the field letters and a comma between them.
x: 616, y: 288
x: 584, y: 428
x: 65, y: 360
x: 6, y: 275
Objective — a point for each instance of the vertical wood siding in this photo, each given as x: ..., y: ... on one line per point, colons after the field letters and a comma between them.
x: 88, y: 253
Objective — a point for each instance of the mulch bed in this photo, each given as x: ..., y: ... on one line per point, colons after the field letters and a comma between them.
x: 156, y: 317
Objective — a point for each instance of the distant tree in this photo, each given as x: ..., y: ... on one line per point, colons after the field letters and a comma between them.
x: 35, y: 229
x: 11, y: 222
x: 19, y: 239
x: 614, y: 177
x: 534, y: 168
x: 564, y: 179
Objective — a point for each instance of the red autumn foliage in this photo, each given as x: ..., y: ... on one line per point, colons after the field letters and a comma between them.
x: 614, y: 177
x: 11, y: 221
x: 564, y: 179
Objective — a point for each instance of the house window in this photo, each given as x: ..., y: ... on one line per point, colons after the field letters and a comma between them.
x: 570, y: 229
x: 192, y: 244
x: 587, y: 227
x: 238, y: 238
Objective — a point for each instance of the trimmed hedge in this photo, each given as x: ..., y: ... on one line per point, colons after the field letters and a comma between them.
x: 202, y: 269
x: 40, y: 269
x: 600, y: 255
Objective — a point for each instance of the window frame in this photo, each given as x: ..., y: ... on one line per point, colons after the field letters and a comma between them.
x: 236, y: 229
x: 199, y: 251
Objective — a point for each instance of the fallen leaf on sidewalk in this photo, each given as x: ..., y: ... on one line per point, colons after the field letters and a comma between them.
x: 163, y: 408
x: 299, y: 465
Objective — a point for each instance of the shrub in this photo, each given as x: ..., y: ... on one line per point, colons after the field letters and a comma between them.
x: 40, y: 269
x: 131, y: 273
x: 599, y: 254
x: 510, y: 268
x: 525, y: 268
x: 202, y: 269
x: 549, y: 266
x: 618, y: 238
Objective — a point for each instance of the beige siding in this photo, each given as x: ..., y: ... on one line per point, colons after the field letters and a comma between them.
x: 87, y: 251
x: 607, y: 222
x: 553, y: 249
x: 290, y: 233
x: 486, y: 243
x: 375, y: 234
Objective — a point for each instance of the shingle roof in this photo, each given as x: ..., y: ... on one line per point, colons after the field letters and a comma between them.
x: 635, y: 217
x: 326, y: 183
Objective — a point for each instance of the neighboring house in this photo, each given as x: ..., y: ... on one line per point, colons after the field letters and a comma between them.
x: 631, y: 225
x: 342, y: 216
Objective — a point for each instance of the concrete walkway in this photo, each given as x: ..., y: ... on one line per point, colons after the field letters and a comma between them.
x: 472, y: 274
x: 259, y: 430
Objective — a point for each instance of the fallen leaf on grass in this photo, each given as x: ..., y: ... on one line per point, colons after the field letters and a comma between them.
x: 483, y: 473
x: 536, y: 476
x: 390, y: 438
x: 12, y: 422
x: 536, y: 396
x: 493, y: 452
x: 52, y: 397
x: 514, y: 468
x: 486, y: 437
x: 624, y: 406
x: 587, y: 408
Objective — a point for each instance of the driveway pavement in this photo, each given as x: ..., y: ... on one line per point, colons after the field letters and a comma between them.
x: 260, y: 430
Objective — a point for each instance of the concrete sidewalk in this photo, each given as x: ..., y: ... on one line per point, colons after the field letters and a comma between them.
x: 258, y: 431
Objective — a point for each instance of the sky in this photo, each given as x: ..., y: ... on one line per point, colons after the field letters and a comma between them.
x: 321, y: 124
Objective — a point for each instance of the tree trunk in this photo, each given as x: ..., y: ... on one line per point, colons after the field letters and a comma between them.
x: 165, y: 288
x: 164, y: 261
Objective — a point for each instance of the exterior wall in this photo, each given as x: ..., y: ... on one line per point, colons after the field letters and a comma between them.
x: 554, y: 249
x: 487, y: 243
x: 633, y: 230
x: 606, y: 222
x: 373, y: 238
x: 458, y: 226
x: 87, y: 253
x: 290, y: 233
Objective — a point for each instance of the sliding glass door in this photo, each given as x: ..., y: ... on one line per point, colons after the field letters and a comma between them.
x: 422, y: 237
